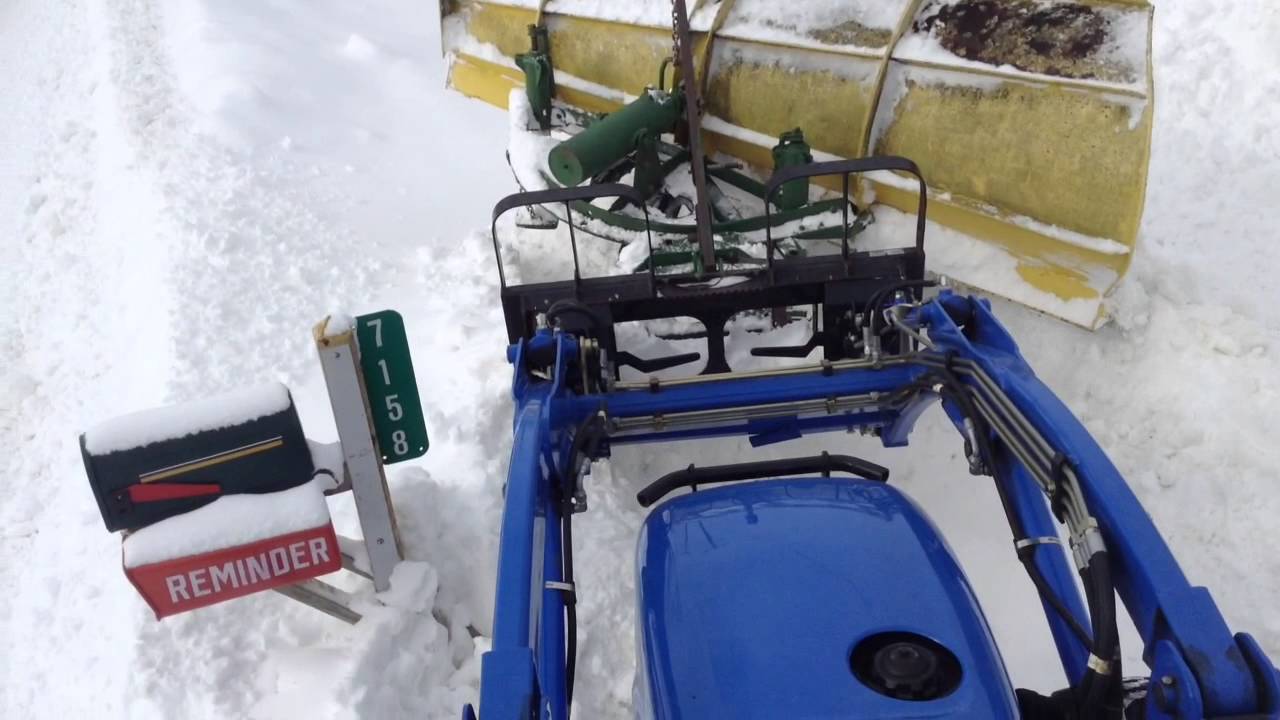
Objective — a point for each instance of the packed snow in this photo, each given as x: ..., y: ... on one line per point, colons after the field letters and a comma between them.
x: 153, y: 425
x: 187, y: 186
x: 229, y: 522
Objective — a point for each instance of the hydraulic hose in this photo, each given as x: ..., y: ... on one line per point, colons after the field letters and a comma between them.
x: 954, y: 391
x: 873, y: 306
x: 585, y: 445
x: 1101, y: 674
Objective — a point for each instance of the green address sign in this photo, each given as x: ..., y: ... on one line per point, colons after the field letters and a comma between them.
x: 392, y: 386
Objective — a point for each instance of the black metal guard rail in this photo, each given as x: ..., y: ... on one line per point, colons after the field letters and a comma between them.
x: 843, y: 168
x: 568, y: 196
x: 825, y: 464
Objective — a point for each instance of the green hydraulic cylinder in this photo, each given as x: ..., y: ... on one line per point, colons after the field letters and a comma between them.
x: 613, y: 137
x: 539, y: 79
x: 792, y: 150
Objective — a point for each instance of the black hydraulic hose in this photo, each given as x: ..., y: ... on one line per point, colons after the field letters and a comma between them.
x: 570, y: 607
x: 584, y: 445
x: 1027, y: 555
x: 572, y: 307
x: 1028, y: 558
x: 1097, y: 686
x: 873, y: 307
x: 1089, y: 683
x: 954, y: 391
x: 1097, y: 689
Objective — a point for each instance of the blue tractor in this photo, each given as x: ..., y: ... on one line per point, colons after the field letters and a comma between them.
x: 811, y: 587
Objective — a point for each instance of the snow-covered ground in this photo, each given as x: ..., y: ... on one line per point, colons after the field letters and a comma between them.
x: 187, y: 186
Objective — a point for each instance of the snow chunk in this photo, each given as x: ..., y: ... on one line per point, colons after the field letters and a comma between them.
x: 863, y: 24
x: 359, y: 48
x: 229, y: 522
x: 145, y: 427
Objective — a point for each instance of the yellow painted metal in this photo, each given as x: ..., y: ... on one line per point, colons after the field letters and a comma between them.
x: 1044, y: 262
x: 484, y: 80
x: 493, y: 83
x: 617, y: 56
x: 1025, y: 162
x: 755, y: 91
x: 1035, y: 162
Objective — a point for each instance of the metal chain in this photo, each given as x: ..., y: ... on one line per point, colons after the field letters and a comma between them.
x: 675, y: 39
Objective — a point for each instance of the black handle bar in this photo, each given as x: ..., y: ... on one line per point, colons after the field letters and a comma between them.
x: 568, y: 196
x: 824, y: 463
x: 844, y: 168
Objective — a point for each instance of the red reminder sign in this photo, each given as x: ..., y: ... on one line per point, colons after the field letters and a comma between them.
x: 182, y: 584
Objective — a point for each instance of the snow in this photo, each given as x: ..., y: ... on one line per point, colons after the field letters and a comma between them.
x: 229, y: 522
x: 171, y: 422
x: 729, y: 53
x: 327, y: 456
x: 656, y: 13
x: 337, y: 324
x: 802, y: 24
x: 162, y: 240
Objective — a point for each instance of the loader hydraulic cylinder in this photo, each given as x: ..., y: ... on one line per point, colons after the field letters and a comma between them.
x: 612, y: 138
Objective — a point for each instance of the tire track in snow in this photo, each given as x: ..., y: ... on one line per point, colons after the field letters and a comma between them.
x: 248, y: 258
x: 253, y: 267
x: 86, y: 280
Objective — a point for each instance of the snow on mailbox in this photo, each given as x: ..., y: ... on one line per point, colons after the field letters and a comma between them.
x: 218, y: 498
x: 158, y: 463
x: 235, y: 546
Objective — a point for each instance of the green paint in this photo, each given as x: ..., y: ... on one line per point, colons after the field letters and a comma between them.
x: 612, y: 138
x: 539, y: 77
x: 792, y: 151
x: 392, y: 386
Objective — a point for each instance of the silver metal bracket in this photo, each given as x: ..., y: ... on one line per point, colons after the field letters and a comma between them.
x: 340, y: 360
x: 323, y: 597
x: 1086, y: 543
x: 1029, y: 542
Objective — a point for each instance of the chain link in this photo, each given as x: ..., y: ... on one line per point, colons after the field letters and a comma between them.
x: 675, y: 37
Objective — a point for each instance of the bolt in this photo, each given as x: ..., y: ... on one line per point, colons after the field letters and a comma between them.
x: 1166, y: 697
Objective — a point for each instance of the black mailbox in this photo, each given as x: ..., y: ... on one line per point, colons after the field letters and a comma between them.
x: 163, y: 462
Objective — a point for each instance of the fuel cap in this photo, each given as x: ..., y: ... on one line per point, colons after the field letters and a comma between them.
x: 906, y: 666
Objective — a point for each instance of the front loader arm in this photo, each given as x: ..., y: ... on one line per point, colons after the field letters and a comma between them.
x: 1199, y: 668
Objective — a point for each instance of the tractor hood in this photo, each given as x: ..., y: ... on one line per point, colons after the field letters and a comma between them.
x: 808, y: 598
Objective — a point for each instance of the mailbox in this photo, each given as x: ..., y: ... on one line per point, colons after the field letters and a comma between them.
x: 159, y: 463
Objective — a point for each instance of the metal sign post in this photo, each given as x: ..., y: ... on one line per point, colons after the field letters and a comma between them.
x: 340, y: 360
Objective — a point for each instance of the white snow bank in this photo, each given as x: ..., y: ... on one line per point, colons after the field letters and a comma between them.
x: 229, y: 522
x: 656, y: 13
x: 175, y: 421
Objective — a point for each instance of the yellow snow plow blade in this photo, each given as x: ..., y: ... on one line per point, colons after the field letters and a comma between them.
x: 1030, y: 118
